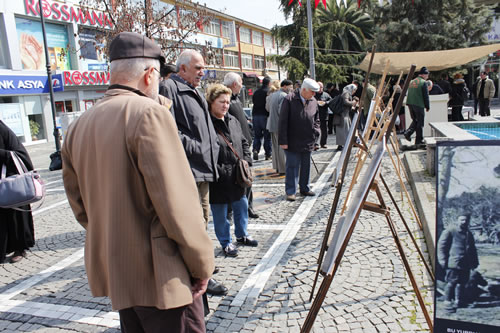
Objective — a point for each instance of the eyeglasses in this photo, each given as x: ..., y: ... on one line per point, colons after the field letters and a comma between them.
x: 145, y: 69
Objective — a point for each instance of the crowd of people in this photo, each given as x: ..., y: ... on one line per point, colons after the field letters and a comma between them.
x: 154, y: 135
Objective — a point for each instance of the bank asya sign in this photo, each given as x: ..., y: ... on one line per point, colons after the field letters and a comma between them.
x: 85, y: 78
x: 24, y: 85
x: 67, y: 13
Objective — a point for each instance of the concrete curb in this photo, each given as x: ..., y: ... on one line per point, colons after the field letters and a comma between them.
x: 425, y: 197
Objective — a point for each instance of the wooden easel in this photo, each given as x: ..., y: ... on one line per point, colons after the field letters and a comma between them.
x: 380, y: 208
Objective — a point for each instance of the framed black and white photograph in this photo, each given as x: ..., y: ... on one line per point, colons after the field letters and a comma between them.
x: 467, y: 288
x: 347, y: 222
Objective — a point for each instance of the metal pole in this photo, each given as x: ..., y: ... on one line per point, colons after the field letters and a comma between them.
x: 49, y: 75
x: 311, y: 44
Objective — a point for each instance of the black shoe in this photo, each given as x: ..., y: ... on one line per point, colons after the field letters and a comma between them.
x: 268, y: 157
x: 252, y: 214
x: 216, y: 288
x: 247, y: 240
x: 216, y: 270
x: 255, y: 155
x: 339, y: 148
x: 230, y: 250
x: 308, y: 193
x: 407, y: 136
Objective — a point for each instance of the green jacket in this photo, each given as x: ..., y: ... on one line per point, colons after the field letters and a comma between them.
x: 418, y: 94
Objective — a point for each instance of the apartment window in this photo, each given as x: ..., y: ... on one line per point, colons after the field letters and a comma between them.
x: 246, y: 60
x: 268, y: 41
x: 231, y: 59
x: 212, y: 27
x: 259, y: 62
x: 257, y: 38
x: 226, y: 28
x: 245, y: 35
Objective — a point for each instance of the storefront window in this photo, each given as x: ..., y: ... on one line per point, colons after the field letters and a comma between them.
x: 31, y: 45
x: 92, y: 49
x: 64, y: 106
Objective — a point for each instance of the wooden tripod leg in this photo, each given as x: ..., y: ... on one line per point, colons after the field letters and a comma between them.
x: 429, y: 270
x: 405, y: 190
x: 409, y: 271
x: 316, y: 306
x: 324, y: 245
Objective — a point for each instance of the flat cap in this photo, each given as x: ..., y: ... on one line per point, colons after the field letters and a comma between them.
x: 133, y: 45
x: 423, y: 70
x: 310, y: 84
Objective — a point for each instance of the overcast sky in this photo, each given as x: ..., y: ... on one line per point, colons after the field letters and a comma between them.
x: 265, y: 13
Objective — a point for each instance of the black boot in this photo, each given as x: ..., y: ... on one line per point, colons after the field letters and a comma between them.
x: 216, y: 288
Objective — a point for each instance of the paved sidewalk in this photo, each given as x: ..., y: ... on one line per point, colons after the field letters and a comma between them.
x: 269, y: 285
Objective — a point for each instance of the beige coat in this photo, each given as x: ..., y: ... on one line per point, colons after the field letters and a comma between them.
x: 130, y: 186
x: 489, y: 89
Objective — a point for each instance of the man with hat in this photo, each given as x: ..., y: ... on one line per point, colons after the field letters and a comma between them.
x: 457, y: 256
x: 299, y: 127
x: 146, y: 246
x: 417, y: 100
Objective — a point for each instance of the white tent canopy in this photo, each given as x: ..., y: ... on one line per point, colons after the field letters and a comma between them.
x: 433, y: 60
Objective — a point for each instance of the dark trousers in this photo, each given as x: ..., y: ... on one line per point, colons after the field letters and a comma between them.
x: 323, y: 123
x: 484, y: 107
x: 476, y: 101
x: 141, y: 319
x: 260, y: 131
x: 330, y: 123
x: 456, y: 113
x: 417, y: 125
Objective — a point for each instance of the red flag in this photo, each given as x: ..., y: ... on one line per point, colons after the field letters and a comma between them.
x: 359, y: 3
x: 300, y: 4
x: 317, y: 3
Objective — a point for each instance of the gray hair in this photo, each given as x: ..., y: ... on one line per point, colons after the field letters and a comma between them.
x: 231, y: 78
x: 310, y: 84
x: 130, y: 69
x: 185, y: 58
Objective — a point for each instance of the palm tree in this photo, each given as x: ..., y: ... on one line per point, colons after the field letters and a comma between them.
x: 343, y: 27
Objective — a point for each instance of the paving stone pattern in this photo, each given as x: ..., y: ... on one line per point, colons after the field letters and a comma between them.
x: 371, y: 292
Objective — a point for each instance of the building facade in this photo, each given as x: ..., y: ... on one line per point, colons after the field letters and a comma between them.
x: 80, y: 71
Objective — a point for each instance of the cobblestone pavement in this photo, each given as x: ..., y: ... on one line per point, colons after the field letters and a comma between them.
x: 269, y: 286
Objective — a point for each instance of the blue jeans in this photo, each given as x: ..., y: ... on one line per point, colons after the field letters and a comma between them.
x: 294, y: 163
x: 259, y: 129
x: 221, y: 223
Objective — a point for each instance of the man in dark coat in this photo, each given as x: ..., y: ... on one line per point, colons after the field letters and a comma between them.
x: 234, y: 82
x: 444, y: 83
x: 259, y: 119
x: 323, y: 99
x: 17, y: 233
x: 457, y: 256
x: 298, y: 129
x: 196, y: 131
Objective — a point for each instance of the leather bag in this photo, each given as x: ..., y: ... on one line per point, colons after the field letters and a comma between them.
x: 244, y: 175
x: 22, y: 189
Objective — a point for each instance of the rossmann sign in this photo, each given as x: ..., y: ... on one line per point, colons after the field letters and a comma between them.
x: 67, y: 13
x: 85, y: 78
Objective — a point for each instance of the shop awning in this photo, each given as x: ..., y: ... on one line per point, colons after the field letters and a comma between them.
x: 433, y: 60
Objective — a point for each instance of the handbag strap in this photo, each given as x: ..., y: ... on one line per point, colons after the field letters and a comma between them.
x: 21, y: 168
x: 229, y: 144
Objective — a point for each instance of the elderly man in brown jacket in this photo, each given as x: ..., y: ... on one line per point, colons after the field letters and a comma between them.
x: 130, y: 186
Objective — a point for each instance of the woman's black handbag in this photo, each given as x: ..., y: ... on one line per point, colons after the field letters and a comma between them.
x: 244, y: 175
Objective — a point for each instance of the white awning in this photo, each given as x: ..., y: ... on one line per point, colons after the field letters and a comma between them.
x: 433, y: 60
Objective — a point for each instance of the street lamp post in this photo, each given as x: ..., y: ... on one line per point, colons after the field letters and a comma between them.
x: 311, y: 43
x: 56, y: 157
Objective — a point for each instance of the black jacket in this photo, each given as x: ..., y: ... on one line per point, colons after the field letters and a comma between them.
x: 196, y: 131
x: 16, y: 230
x: 236, y: 110
x: 298, y: 124
x: 225, y: 190
x: 458, y: 93
x: 323, y: 110
x: 259, y: 102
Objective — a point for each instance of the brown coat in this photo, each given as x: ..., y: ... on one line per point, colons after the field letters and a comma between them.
x: 130, y: 186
